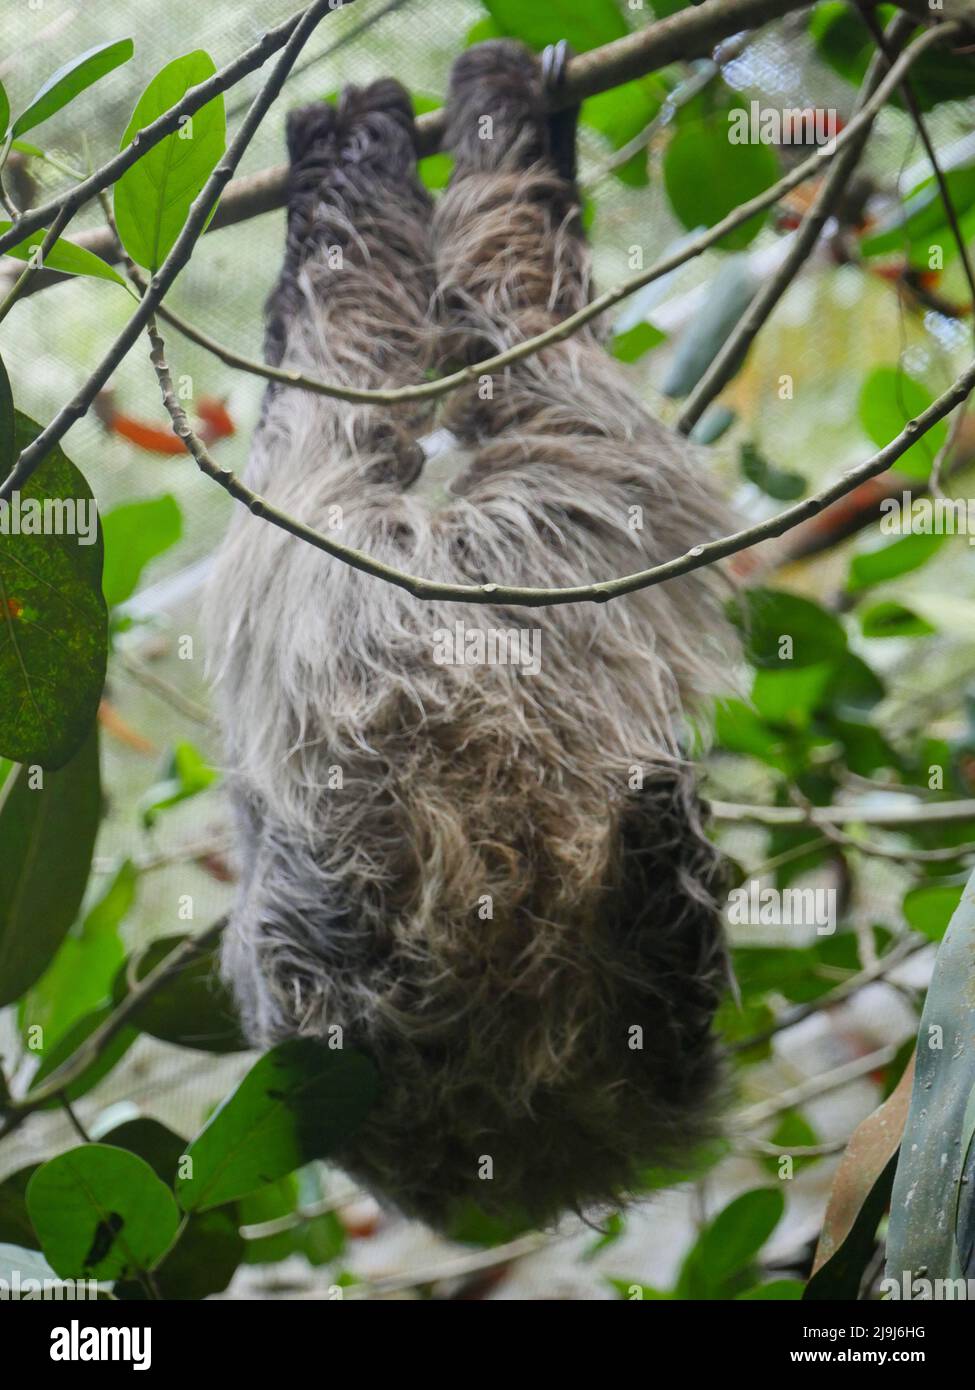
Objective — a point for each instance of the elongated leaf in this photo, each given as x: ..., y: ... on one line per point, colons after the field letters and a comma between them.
x: 47, y: 835
x: 921, y: 1239
x: 68, y: 1044
x: 298, y: 1103
x: 858, y: 1198
x: 100, y: 1213
x: 53, y: 621
x: 4, y: 110
x: 63, y: 256
x: 890, y: 561
x: 154, y: 196
x: 729, y: 1244
x: 71, y: 79
x: 80, y: 976
x: 15, y: 1227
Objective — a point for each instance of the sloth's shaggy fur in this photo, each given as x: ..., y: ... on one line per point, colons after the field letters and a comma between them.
x: 487, y: 904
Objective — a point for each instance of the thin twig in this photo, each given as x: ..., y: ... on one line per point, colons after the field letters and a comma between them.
x: 796, y: 1096
x: 892, y: 817
x: 36, y: 262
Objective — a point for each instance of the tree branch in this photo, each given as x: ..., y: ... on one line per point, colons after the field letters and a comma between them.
x: 178, y: 256
x: 142, y: 142
x: 91, y: 1049
x: 690, y: 33
x: 518, y: 596
x: 736, y: 345
x: 565, y: 328
x: 889, y: 817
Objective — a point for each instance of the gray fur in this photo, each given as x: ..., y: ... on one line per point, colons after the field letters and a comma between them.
x: 506, y: 1036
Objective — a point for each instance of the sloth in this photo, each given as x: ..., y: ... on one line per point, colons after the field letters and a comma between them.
x: 488, y: 873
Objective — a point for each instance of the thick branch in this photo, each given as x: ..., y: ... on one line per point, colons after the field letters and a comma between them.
x: 566, y: 327
x: 689, y: 33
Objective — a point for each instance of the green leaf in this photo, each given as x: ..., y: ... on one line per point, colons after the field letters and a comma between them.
x: 153, y: 197
x: 136, y: 533
x: 187, y: 774
x: 928, y: 1186
x: 784, y: 631
x: 706, y: 177
x: 158, y: 1146
x: 889, y: 619
x: 63, y: 256
x: 4, y: 110
x: 296, y: 1104
x: 929, y: 908
x: 67, y: 1045
x: 202, y: 1262
x: 100, y: 1213
x: 53, y: 621
x: 791, y: 696
x: 584, y: 26
x: 846, y: 44
x: 48, y: 835
x: 729, y: 295
x: 729, y: 1244
x: 71, y: 79
x: 775, y: 482
x: 192, y: 1009
x: 80, y: 976
x: 889, y: 561
x: 888, y: 400
x: 640, y: 339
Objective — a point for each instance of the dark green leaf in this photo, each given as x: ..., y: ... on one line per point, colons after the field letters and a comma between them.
x: 158, y: 1146
x: 71, y: 79
x: 153, y: 197
x: 778, y: 1289
x: 776, y: 482
x: 921, y: 221
x: 296, y: 1104
x: 4, y: 110
x: 890, y: 561
x: 8, y: 427
x: 192, y: 1009
x: 48, y: 835
x: 15, y: 1224
x: 784, y: 631
x: 67, y: 1045
x: 889, y: 619
x: 52, y: 615
x: 729, y: 1244
x: 100, y: 1213
x: 202, y: 1262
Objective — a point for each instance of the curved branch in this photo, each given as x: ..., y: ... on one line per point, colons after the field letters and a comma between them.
x: 524, y: 597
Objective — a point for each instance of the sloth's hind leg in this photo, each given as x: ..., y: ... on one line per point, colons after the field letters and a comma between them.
x: 352, y: 301
x: 511, y: 254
